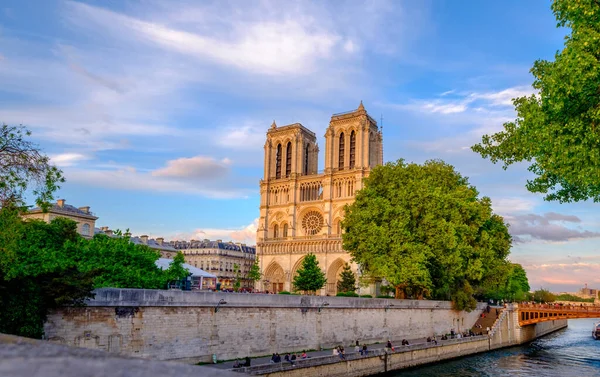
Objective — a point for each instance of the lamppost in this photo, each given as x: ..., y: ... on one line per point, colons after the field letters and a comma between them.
x: 221, y: 302
x: 323, y: 305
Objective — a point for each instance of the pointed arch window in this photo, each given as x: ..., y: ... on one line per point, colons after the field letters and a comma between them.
x: 341, y: 156
x: 278, y: 162
x: 288, y: 159
x: 352, y: 149
x: 285, y: 230
x: 306, y: 159
x: 276, y: 231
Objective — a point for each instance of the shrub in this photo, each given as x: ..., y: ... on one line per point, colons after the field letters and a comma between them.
x: 383, y: 296
x: 347, y: 294
x: 284, y: 293
x: 366, y: 296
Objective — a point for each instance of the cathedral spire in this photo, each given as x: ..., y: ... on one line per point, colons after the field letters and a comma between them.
x: 273, y: 125
x: 361, y: 107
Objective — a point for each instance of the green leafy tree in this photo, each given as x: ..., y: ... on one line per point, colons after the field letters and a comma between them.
x: 254, y: 274
x: 122, y: 263
x: 424, y: 229
x: 237, y: 283
x: 36, y: 275
x: 309, y: 277
x: 518, y: 284
x: 543, y: 295
x: 176, y: 271
x: 24, y: 167
x: 558, y: 129
x: 347, y: 282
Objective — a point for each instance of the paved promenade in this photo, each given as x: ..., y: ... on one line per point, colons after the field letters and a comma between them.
x: 349, y: 349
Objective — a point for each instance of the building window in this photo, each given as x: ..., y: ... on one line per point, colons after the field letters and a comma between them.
x: 288, y: 159
x: 285, y: 230
x: 306, y: 160
x: 352, y: 149
x: 85, y: 229
x: 341, y: 156
x: 278, y: 162
x: 275, y: 231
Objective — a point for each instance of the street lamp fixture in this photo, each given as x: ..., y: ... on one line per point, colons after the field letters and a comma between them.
x: 388, y: 306
x: 323, y: 305
x: 221, y: 302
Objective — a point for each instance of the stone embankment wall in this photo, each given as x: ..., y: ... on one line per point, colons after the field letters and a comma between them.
x: 177, y: 325
x: 506, y: 333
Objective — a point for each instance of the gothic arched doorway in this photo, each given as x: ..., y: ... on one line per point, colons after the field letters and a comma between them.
x: 333, y: 273
x: 274, y: 278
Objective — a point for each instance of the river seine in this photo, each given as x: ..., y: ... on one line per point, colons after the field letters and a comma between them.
x: 565, y: 353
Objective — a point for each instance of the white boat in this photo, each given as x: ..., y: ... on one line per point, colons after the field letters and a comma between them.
x: 596, y: 331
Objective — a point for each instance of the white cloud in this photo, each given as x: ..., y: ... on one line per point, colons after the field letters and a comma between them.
x: 507, y: 205
x: 243, y: 137
x: 504, y: 97
x: 68, y: 159
x: 199, y: 167
x: 290, y: 45
x: 245, y: 234
x: 201, y: 176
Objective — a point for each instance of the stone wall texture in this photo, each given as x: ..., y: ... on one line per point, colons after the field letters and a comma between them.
x: 506, y: 333
x: 177, y: 325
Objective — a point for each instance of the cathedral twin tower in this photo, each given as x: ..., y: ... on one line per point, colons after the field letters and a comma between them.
x: 300, y: 207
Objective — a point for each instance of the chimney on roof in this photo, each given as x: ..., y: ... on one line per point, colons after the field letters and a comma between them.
x: 108, y: 232
x: 160, y: 241
x: 60, y: 202
x: 220, y: 241
x: 144, y: 239
x: 85, y: 209
x: 104, y: 228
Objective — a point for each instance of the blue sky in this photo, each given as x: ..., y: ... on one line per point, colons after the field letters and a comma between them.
x: 157, y: 110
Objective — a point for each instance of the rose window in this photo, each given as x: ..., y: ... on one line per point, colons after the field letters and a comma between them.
x: 312, y: 223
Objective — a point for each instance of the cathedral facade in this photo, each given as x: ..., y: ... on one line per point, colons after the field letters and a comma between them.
x: 300, y: 206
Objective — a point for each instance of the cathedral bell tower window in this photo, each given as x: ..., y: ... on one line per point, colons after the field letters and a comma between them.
x: 306, y: 160
x: 341, y: 155
x: 288, y: 159
x: 278, y: 162
x: 352, y: 149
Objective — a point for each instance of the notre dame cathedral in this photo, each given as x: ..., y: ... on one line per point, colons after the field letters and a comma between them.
x: 300, y: 206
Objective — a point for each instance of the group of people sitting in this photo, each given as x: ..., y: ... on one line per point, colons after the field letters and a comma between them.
x: 239, y: 364
x: 288, y: 358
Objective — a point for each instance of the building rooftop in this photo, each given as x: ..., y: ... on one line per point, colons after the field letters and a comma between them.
x: 164, y: 263
x: 61, y: 207
x: 157, y: 244
x: 208, y: 244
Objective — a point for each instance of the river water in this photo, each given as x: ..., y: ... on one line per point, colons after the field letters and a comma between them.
x: 565, y: 353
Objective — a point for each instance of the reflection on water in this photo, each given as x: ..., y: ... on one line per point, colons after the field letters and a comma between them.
x: 568, y: 352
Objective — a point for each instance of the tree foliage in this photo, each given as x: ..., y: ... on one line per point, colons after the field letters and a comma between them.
x: 237, y: 282
x: 347, y: 282
x: 424, y: 229
x: 568, y: 297
x: 309, y: 277
x: 24, y: 167
x: 254, y: 274
x: 558, y: 129
x: 44, y: 266
x: 543, y: 295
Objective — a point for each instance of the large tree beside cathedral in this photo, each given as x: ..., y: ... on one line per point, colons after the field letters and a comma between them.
x: 557, y: 130
x: 309, y: 277
x: 425, y: 230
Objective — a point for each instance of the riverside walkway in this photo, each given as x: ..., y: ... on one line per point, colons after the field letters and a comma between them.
x: 326, y: 353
